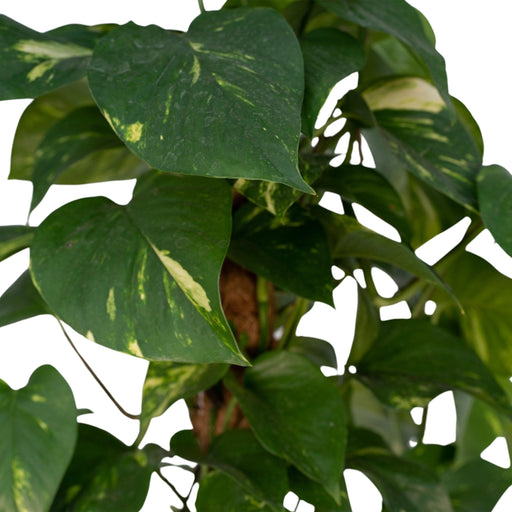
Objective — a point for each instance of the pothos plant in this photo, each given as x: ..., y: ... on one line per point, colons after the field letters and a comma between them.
x: 223, y: 247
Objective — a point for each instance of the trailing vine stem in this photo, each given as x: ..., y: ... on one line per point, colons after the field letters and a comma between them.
x: 96, y: 378
x: 183, y: 499
x: 298, y: 310
x: 201, y: 6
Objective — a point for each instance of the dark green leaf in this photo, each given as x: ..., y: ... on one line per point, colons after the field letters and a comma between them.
x: 476, y: 486
x: 143, y: 287
x: 14, y: 239
x: 421, y: 133
x: 315, y: 494
x: 37, y: 437
x: 34, y: 63
x: 485, y: 295
x: 226, y: 96
x: 293, y: 254
x: 105, y: 475
x: 82, y: 35
x: 317, y: 351
x: 280, y: 398
x: 21, y: 301
x: 81, y: 135
x: 238, y: 454
x: 370, y: 189
x: 219, y: 491
x: 400, y: 20
x: 495, y: 202
x: 168, y: 382
x: 412, y: 361
x: 329, y: 56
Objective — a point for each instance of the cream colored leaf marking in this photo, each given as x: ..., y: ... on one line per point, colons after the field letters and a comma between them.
x: 269, y: 200
x: 132, y: 132
x: 90, y: 336
x: 405, y: 94
x: 232, y: 89
x: 39, y: 70
x: 141, y: 278
x: 133, y: 348
x: 38, y: 398
x: 22, y: 490
x: 42, y: 425
x: 196, y: 70
x: 50, y: 50
x: 194, y: 291
x: 111, y: 304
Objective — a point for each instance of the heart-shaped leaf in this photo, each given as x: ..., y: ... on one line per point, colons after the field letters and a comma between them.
x: 280, y: 398
x: 14, y: 239
x: 495, y: 202
x: 146, y: 273
x: 21, y: 301
x: 412, y: 361
x: 222, y: 100
x: 329, y: 56
x: 105, y: 475
x: 37, y: 437
x: 34, y: 63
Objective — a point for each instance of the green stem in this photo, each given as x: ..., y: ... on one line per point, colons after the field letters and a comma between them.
x: 201, y: 6
x: 175, y: 491
x: 299, y: 308
x: 96, y: 378
x: 305, y: 18
x: 263, y: 308
x: 229, y: 412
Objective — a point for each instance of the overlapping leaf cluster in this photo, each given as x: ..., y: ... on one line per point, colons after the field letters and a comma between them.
x: 225, y: 110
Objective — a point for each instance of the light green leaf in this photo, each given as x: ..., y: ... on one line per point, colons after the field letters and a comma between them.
x: 280, y: 398
x: 37, y: 437
x: 404, y: 485
x: 412, y: 361
x: 238, y: 454
x: 329, y: 56
x: 485, y: 295
x: 226, y: 96
x: 105, y: 475
x: 21, y: 301
x: 34, y: 63
x: 400, y: 20
x: 168, y: 382
x: 147, y: 288
x: 293, y: 253
x: 495, y: 202
x: 413, y: 120
x: 219, y: 491
x: 14, y: 239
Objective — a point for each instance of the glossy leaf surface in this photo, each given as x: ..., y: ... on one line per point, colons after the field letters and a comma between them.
x: 421, y: 133
x: 21, y: 301
x: 161, y: 300
x: 293, y: 254
x: 116, y: 478
x: 37, y: 437
x: 495, y: 202
x: 14, y: 239
x: 35, y: 63
x: 309, y: 433
x: 329, y: 56
x: 412, y: 361
x: 317, y: 351
x: 226, y: 96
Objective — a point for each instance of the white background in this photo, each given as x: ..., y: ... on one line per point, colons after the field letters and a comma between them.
x: 474, y: 38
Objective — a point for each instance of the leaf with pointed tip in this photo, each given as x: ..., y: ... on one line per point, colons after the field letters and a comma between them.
x: 413, y: 120
x: 279, y: 397
x: 293, y: 254
x: 329, y: 56
x: 219, y: 491
x: 370, y: 189
x: 21, y: 301
x: 222, y: 100
x: 14, y: 239
x: 168, y: 382
x: 412, y: 361
x: 34, y: 63
x: 238, y: 454
x: 105, y: 475
x: 400, y: 20
x: 317, y: 351
x: 495, y: 201
x: 37, y: 437
x: 147, y: 288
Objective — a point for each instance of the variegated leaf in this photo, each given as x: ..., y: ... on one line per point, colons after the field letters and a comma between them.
x: 142, y: 278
